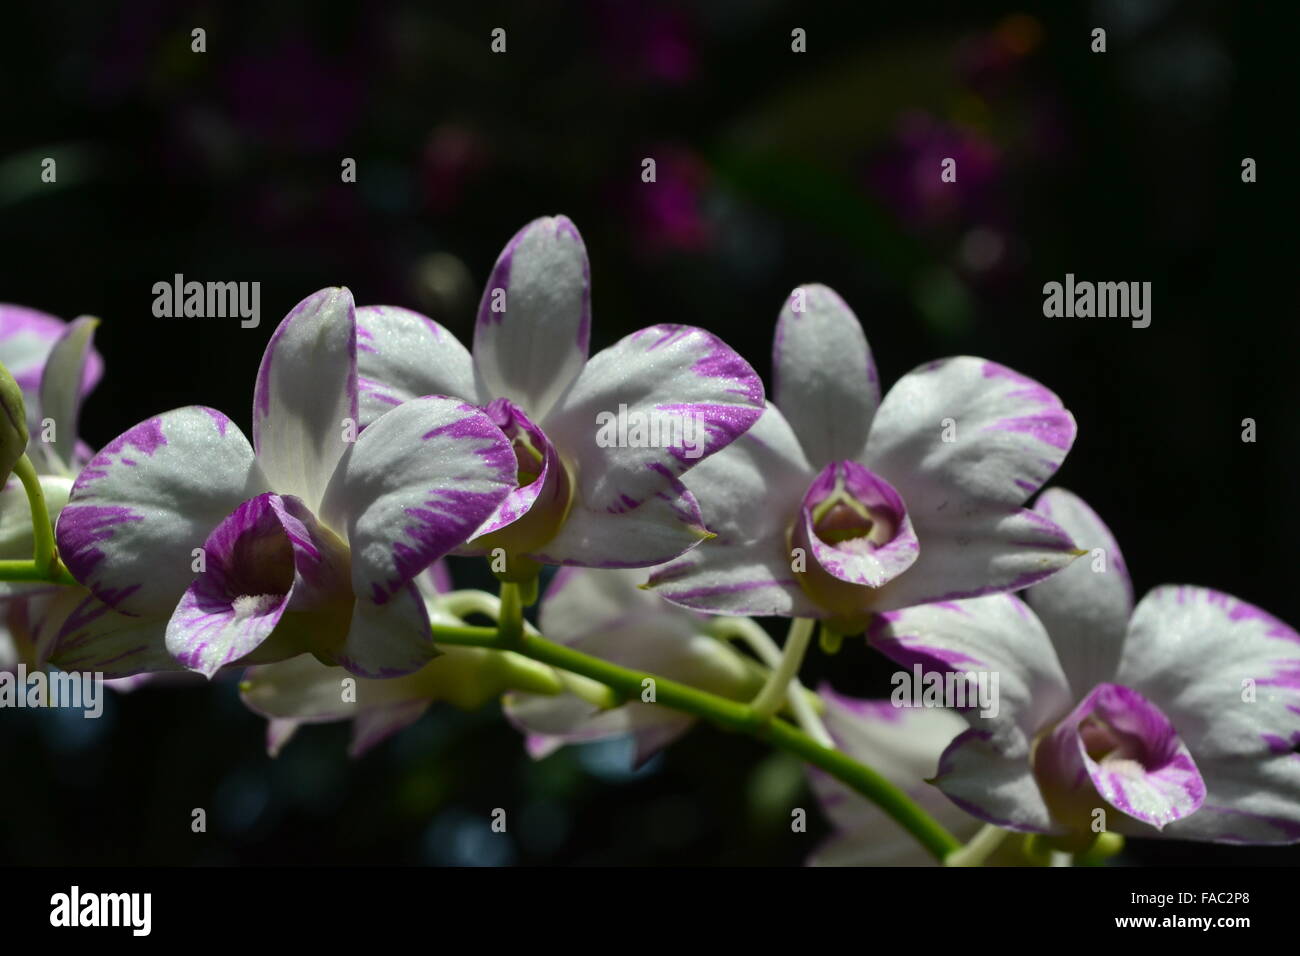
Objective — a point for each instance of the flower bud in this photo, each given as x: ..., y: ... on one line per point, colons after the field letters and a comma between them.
x: 13, y: 424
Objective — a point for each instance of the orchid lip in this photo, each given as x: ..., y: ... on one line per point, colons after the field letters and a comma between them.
x: 855, y: 535
x: 1116, y: 747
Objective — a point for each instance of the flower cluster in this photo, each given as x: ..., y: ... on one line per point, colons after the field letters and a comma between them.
x: 310, y: 558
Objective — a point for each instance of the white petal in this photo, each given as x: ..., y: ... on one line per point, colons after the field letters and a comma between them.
x: 1086, y: 607
x: 306, y: 395
x: 403, y: 355
x: 534, y: 322
x: 824, y: 378
x: 142, y: 506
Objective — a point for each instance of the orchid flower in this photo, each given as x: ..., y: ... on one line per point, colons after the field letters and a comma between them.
x: 306, y: 540
x: 582, y: 500
x: 903, y: 744
x: 1178, y: 718
x: 605, y: 614
x: 56, y: 366
x: 302, y: 690
x: 837, y: 505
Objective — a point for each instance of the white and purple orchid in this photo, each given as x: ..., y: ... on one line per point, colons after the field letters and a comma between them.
x: 837, y: 505
x: 56, y: 366
x: 307, y: 539
x: 580, y: 500
x: 1182, y: 714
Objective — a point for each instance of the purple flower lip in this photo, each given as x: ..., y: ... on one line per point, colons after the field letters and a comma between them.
x: 855, y: 536
x: 536, y: 510
x: 1118, y: 748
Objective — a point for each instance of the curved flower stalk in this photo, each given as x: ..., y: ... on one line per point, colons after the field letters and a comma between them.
x: 588, y: 494
x: 837, y: 505
x: 307, y: 540
x: 305, y: 691
x: 904, y: 744
x: 1178, y: 718
x: 605, y: 614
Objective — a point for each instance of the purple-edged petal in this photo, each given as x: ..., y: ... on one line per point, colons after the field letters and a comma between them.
x: 650, y: 407
x: 665, y: 526
x: 904, y: 745
x: 26, y: 338
x: 1118, y: 747
x: 269, y: 556
x: 976, y: 552
x: 846, y: 498
x: 997, y: 635
x: 987, y: 774
x: 751, y: 494
x: 148, y: 499
x: 390, y: 639
x: 534, y: 322
x: 403, y: 355
x: 1227, y: 675
x: 61, y: 391
x: 307, y: 394
x: 85, y: 634
x: 824, y: 378
x: 536, y: 508
x: 416, y: 484
x: 1086, y: 607
x: 1009, y: 435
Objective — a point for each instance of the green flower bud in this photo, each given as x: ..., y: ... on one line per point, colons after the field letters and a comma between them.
x: 13, y: 424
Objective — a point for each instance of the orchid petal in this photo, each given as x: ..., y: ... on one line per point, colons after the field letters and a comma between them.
x: 690, y: 394
x: 403, y: 355
x: 1227, y: 675
x: 665, y: 526
x: 987, y: 774
x: 414, y: 485
x: 534, y: 322
x: 26, y: 338
x: 975, y: 552
x: 87, y: 635
x: 1008, y: 436
x: 1085, y: 607
x: 996, y: 635
x: 824, y: 377
x: 305, y: 402
x: 142, y: 506
x: 65, y: 370
x: 390, y: 639
x: 751, y: 493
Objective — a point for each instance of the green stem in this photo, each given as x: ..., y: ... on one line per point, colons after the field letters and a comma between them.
x: 510, y: 626
x: 42, y: 530
x: 772, y: 696
x: 728, y: 714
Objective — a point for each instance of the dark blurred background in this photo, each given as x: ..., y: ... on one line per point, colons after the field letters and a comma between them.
x: 774, y: 168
